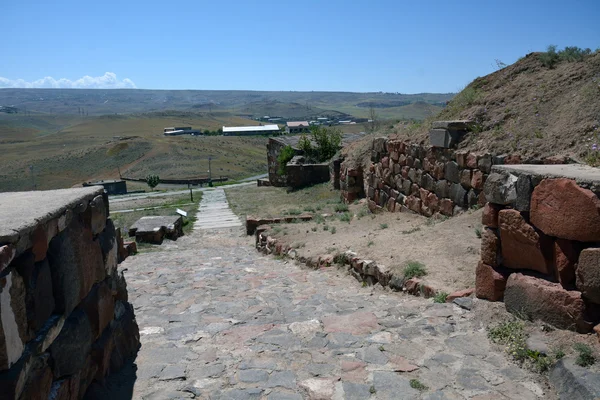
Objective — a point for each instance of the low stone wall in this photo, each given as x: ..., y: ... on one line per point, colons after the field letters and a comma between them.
x: 364, y: 270
x: 65, y: 321
x: 540, y: 250
x: 302, y: 175
x: 424, y: 179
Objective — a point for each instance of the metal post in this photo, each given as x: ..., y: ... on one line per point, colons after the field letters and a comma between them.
x: 191, y: 193
x: 32, y: 177
x: 209, y: 174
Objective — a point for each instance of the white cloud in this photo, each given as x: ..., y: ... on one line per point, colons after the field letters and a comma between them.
x: 107, y: 81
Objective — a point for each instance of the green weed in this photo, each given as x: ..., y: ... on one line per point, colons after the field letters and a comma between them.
x: 585, y: 357
x: 416, y: 384
x: 341, y: 207
x: 414, y: 269
x: 440, y: 297
x: 383, y: 226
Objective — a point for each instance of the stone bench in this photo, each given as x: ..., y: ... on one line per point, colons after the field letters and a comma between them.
x: 154, y: 229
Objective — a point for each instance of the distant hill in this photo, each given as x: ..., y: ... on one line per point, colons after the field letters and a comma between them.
x: 531, y: 108
x: 256, y: 103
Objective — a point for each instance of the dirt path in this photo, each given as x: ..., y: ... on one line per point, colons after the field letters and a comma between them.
x: 220, y: 321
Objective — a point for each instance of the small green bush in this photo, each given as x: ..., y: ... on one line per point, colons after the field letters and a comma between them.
x: 440, y: 297
x: 293, y: 211
x: 333, y: 230
x: 414, y: 269
x: 341, y: 207
x: 345, y: 217
x: 478, y: 233
x: 383, y: 226
x: 325, y: 143
x: 287, y: 153
x: 550, y: 58
x: 585, y: 357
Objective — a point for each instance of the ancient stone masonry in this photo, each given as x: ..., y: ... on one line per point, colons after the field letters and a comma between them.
x: 427, y: 180
x: 65, y: 322
x: 540, y: 250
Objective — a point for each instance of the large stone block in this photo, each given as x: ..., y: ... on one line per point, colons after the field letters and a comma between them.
x: 566, y: 254
x: 539, y: 299
x: 13, y: 321
x: 447, y: 207
x: 76, y: 263
x: 465, y: 178
x: 126, y: 335
x: 524, y: 187
x: 485, y: 163
x: 489, y: 217
x: 439, y: 138
x: 522, y: 246
x: 39, y: 380
x: 99, y: 306
x: 560, y: 208
x: 102, y: 350
x: 477, y: 180
x: 452, y: 173
x: 39, y: 298
x: 489, y: 283
x: 458, y: 194
x: 490, y: 248
x: 70, y: 349
x: 442, y: 189
x: 588, y: 274
x: 500, y: 188
x: 110, y: 248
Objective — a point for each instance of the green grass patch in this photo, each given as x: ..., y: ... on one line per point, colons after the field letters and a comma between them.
x: 414, y: 269
x: 416, y: 384
x: 585, y: 356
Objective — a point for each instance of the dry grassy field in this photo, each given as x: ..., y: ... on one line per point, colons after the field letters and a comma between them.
x: 68, y: 150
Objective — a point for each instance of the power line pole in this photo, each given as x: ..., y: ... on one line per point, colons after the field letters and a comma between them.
x: 209, y: 173
x: 32, y: 177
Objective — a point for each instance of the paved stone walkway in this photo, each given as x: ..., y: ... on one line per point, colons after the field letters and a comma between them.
x: 220, y: 321
x: 214, y: 212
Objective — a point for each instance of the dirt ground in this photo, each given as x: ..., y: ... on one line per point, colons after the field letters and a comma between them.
x: 449, y: 248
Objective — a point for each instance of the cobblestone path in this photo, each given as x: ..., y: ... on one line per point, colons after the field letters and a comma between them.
x: 220, y: 321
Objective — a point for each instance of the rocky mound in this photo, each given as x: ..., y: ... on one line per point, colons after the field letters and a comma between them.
x: 530, y: 108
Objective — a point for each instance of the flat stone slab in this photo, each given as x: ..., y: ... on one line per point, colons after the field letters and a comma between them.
x: 20, y: 212
x: 155, y: 228
x: 584, y: 175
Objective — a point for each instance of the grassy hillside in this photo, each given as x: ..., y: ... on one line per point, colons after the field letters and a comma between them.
x: 66, y: 151
x: 529, y: 108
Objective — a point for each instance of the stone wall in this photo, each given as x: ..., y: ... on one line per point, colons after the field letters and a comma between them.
x: 274, y: 147
x: 424, y: 179
x: 540, y: 249
x: 301, y: 175
x: 65, y: 321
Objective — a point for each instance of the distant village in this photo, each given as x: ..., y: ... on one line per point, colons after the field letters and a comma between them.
x: 273, y: 126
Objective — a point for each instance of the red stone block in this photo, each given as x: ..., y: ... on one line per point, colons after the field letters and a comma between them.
x: 560, y: 208
x: 385, y: 162
x: 481, y: 199
x: 394, y: 156
x: 489, y: 217
x: 459, y: 293
x: 566, y: 254
x: 539, y: 299
x: 413, y: 203
x: 477, y: 180
x: 489, y: 283
x: 438, y: 170
x: 522, y: 246
x: 404, y: 172
x: 412, y: 285
x: 461, y: 158
x: 472, y: 159
x: 427, y: 165
x: 432, y: 202
x: 447, y: 207
x: 423, y: 193
x: 490, y: 248
x: 414, y: 189
x: 39, y: 239
x: 465, y: 178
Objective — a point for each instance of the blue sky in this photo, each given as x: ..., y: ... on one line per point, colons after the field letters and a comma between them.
x: 378, y: 45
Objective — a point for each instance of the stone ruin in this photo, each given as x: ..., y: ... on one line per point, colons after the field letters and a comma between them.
x: 65, y: 319
x: 540, y: 249
x: 541, y: 240
x: 154, y: 229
